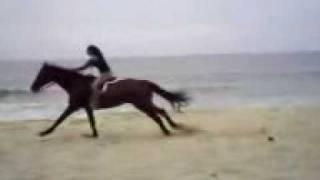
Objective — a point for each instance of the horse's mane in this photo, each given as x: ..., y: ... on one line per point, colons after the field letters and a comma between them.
x: 68, y: 71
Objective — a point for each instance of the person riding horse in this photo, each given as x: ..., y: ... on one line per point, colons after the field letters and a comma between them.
x: 136, y: 92
x: 97, y: 60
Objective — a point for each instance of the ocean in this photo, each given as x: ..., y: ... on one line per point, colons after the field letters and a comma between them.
x: 213, y: 82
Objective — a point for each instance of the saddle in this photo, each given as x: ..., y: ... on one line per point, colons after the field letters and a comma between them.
x: 104, y: 82
x: 103, y: 85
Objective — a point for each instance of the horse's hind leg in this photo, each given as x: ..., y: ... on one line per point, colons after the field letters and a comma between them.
x: 150, y: 111
x: 164, y: 113
x: 62, y: 117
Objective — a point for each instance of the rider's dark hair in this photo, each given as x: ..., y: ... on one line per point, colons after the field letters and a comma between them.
x: 93, y: 50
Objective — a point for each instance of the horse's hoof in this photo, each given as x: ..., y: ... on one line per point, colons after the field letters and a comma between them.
x: 91, y: 135
x: 167, y: 133
x: 178, y: 126
x: 44, y: 133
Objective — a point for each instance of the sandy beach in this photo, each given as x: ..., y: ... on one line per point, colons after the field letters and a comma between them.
x: 243, y: 143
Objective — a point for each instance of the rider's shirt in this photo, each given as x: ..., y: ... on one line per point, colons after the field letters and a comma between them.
x: 99, y: 63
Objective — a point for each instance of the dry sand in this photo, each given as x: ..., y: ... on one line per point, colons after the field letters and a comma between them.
x: 229, y: 144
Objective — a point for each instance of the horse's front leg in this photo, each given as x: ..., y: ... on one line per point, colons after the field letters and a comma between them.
x: 90, y: 114
x: 69, y: 110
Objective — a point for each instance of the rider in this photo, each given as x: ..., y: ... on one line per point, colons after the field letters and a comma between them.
x: 97, y: 60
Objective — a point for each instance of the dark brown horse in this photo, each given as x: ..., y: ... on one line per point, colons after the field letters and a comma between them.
x: 136, y: 92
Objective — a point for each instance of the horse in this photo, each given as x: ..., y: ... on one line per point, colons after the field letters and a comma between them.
x: 139, y: 93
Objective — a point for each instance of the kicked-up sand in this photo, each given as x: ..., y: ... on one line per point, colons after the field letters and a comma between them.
x: 231, y: 144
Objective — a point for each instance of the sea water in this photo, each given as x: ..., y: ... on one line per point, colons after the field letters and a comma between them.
x: 212, y: 81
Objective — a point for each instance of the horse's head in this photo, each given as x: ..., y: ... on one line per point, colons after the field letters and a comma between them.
x: 44, y: 77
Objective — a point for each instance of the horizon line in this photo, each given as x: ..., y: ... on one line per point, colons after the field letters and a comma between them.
x: 173, y: 55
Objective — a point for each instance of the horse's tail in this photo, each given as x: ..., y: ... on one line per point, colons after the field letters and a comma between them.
x: 177, y: 99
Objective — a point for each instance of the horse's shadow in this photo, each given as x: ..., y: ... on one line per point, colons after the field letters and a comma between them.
x: 151, y: 136
x: 115, y: 137
x: 187, y: 130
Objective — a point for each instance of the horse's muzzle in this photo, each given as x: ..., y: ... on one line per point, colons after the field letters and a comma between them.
x: 34, y: 89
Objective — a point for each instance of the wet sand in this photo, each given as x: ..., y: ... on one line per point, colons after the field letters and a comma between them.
x: 232, y: 144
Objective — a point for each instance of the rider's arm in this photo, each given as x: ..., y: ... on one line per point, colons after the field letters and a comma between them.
x: 83, y: 67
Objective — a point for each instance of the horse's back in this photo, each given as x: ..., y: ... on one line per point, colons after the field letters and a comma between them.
x: 128, y: 84
x: 126, y: 87
x: 122, y: 91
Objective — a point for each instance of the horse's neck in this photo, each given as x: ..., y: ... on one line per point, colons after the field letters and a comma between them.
x: 66, y: 80
x: 63, y: 82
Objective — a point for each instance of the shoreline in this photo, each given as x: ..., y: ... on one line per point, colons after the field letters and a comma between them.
x: 128, y: 110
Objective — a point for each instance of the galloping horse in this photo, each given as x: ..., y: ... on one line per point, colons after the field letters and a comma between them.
x: 79, y: 88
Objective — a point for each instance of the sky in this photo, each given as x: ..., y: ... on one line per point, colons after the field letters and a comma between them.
x: 36, y: 29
